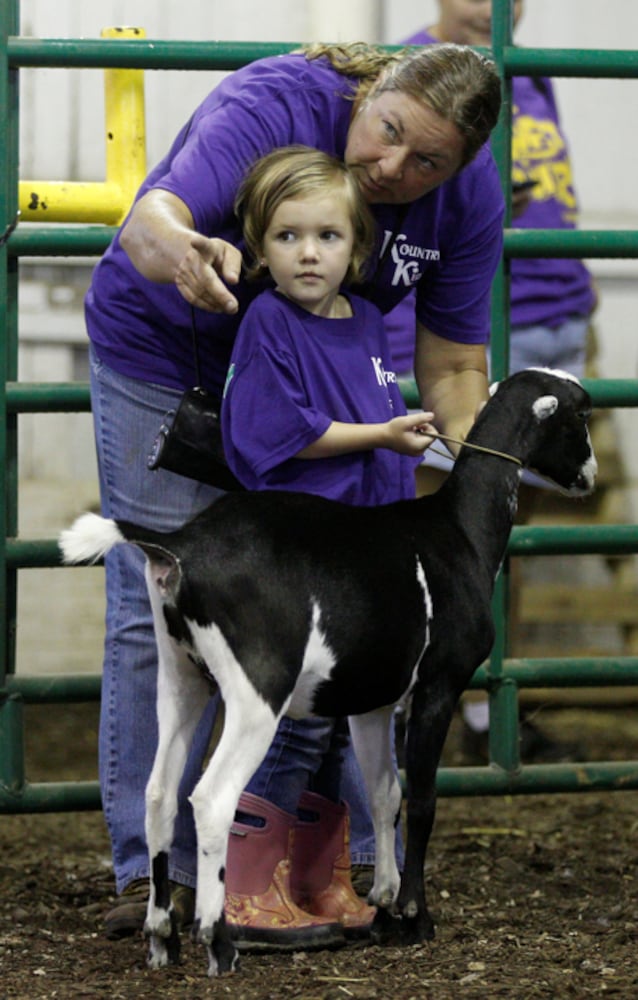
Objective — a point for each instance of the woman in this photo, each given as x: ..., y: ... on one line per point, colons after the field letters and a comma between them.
x: 412, y: 127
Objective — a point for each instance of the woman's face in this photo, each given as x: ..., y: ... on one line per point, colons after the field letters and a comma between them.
x: 399, y: 149
x: 469, y: 22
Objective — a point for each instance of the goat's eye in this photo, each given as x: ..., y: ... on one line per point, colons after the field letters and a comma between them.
x: 584, y: 415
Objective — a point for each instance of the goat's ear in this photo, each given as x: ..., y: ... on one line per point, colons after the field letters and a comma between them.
x: 544, y: 406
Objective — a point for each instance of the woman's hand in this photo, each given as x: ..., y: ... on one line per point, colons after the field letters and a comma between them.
x: 162, y: 245
x: 204, y: 272
x: 411, y: 434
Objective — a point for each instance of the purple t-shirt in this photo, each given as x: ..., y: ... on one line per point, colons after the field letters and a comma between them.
x: 543, y: 292
x: 447, y: 243
x: 291, y: 375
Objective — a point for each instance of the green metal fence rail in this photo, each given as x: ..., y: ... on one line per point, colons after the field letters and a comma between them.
x: 502, y: 677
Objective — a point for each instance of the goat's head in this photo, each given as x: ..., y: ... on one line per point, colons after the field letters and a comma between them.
x: 558, y: 445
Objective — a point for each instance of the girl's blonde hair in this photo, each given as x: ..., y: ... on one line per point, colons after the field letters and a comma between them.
x: 293, y: 172
x: 455, y: 81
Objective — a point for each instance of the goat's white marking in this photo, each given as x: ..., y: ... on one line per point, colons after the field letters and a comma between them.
x: 590, y: 467
x: 371, y: 741
x: 210, y: 644
x: 544, y: 406
x: 317, y: 666
x: 427, y: 600
x: 558, y: 372
x: 249, y: 727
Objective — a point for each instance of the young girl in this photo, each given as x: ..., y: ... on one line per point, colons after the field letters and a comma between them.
x: 311, y: 404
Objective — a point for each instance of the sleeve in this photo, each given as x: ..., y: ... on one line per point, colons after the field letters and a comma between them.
x: 453, y: 299
x: 266, y: 416
x: 208, y: 169
x: 266, y: 105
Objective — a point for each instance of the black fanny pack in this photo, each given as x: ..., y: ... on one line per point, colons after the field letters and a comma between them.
x: 189, y: 442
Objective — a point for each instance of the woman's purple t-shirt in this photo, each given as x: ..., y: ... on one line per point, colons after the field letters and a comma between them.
x: 447, y: 244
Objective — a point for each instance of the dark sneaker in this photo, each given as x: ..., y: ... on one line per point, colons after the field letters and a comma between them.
x: 362, y: 877
x: 129, y: 913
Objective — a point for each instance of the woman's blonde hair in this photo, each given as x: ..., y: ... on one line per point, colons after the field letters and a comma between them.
x: 455, y: 81
x: 293, y: 172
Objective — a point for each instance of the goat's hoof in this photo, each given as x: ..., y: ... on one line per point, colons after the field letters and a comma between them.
x: 164, y: 944
x: 386, y: 929
x: 223, y: 957
x: 163, y: 951
x: 416, y: 931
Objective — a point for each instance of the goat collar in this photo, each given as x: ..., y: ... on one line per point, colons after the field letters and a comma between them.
x: 480, y: 447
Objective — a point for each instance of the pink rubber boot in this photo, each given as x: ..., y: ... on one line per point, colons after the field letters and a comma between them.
x: 320, y: 873
x: 260, y: 911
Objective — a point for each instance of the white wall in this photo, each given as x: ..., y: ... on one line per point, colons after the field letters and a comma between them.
x: 62, y: 123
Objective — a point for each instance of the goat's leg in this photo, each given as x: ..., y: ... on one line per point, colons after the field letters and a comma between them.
x: 182, y: 693
x: 249, y: 727
x: 427, y: 728
x: 371, y: 738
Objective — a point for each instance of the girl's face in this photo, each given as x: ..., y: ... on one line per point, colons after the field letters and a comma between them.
x: 399, y: 149
x: 469, y: 22
x: 307, y: 248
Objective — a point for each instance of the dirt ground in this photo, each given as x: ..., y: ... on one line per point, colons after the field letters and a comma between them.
x: 533, y: 896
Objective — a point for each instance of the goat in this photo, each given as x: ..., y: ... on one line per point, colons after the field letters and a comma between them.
x: 294, y: 604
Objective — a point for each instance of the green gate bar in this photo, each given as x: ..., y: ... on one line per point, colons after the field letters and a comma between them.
x: 500, y: 676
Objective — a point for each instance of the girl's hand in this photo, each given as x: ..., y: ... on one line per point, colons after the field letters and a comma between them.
x: 411, y: 434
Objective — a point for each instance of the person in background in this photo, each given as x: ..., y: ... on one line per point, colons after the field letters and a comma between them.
x: 311, y: 404
x: 413, y: 127
x: 551, y: 300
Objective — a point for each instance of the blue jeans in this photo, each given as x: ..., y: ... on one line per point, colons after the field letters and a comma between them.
x: 127, y: 414
x: 541, y: 346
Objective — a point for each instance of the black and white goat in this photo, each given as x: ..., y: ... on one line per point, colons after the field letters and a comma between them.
x: 298, y: 605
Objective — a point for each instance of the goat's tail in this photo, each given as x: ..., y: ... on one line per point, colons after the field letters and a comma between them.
x: 89, y: 538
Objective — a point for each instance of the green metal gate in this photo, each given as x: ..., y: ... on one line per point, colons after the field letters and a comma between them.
x: 502, y: 677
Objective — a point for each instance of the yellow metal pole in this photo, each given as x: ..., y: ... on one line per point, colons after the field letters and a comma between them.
x: 125, y: 124
x: 109, y: 201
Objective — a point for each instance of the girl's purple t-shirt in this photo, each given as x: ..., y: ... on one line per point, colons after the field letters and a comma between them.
x: 447, y: 244
x: 293, y: 373
x: 542, y: 292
